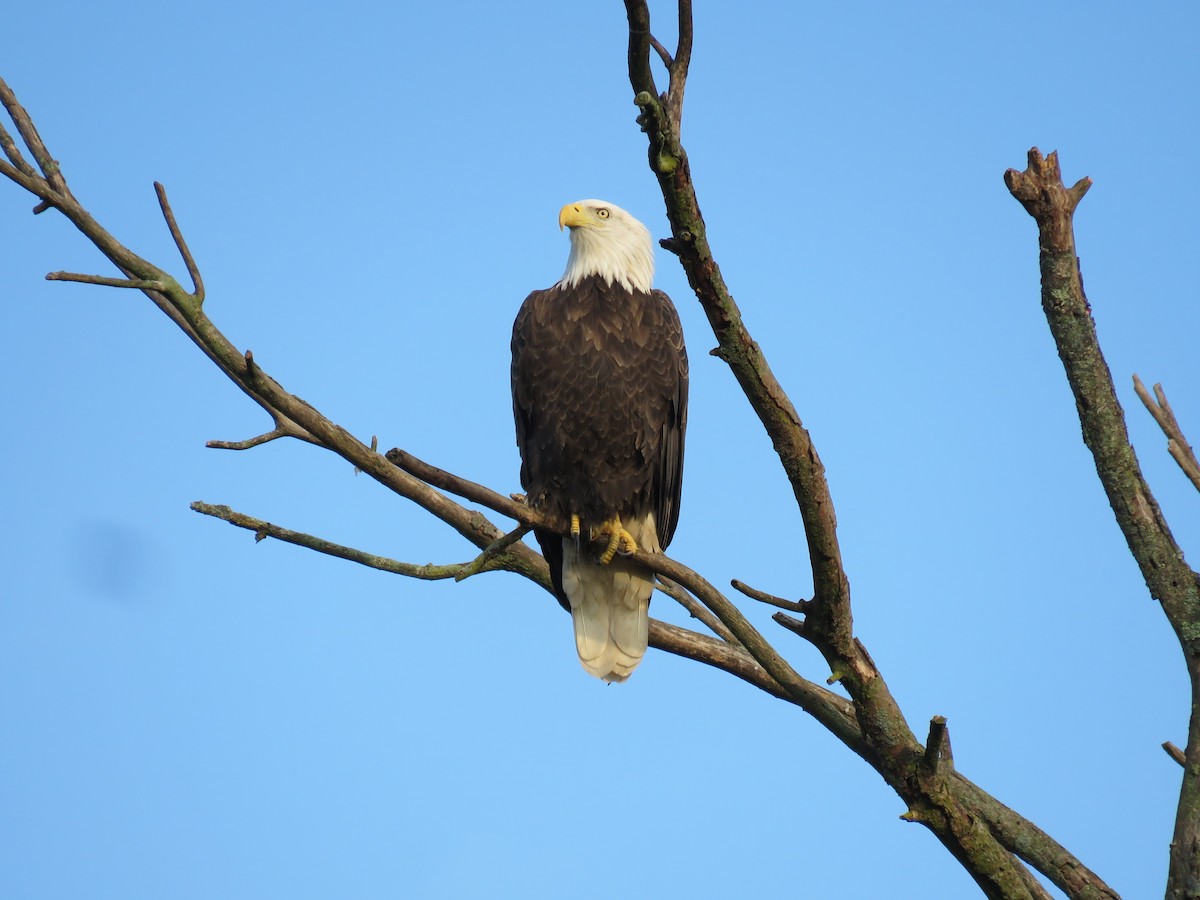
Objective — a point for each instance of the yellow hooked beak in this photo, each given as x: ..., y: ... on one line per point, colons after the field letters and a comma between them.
x: 573, y: 216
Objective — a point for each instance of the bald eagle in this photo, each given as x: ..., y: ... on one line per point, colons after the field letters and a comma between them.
x: 600, y: 385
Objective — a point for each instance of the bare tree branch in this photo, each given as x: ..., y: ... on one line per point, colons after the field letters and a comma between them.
x: 492, y: 551
x: 1177, y: 444
x: 180, y: 243
x: 799, y: 606
x: 265, y: 438
x: 663, y: 53
x: 263, y: 529
x: 1040, y: 189
x: 15, y: 157
x: 138, y: 284
x: 477, y: 493
x: 51, y: 175
x: 695, y: 609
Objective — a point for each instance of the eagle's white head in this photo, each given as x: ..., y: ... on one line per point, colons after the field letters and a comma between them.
x: 609, y: 242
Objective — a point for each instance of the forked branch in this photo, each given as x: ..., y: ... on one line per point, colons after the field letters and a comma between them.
x: 180, y: 243
x: 1177, y: 444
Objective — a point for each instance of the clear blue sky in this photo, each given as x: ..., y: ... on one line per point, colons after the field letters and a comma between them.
x: 371, y: 193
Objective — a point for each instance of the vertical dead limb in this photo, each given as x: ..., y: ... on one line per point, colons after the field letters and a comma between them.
x: 660, y: 118
x: 1041, y: 191
x: 890, y: 745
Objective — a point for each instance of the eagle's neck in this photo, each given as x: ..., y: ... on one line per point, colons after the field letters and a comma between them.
x: 626, y: 259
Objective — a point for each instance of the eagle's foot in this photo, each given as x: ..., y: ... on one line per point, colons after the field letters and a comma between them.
x: 618, y: 540
x: 575, y: 526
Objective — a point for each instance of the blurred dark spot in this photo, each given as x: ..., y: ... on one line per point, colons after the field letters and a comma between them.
x: 114, y: 561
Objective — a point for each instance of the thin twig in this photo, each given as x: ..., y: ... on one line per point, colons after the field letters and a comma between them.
x: 490, y: 552
x: 695, y: 609
x: 137, y: 284
x: 663, y: 53
x: 1177, y: 444
x: 180, y: 243
x: 35, y: 184
x: 272, y: 435
x: 797, y: 606
x: 13, y: 152
x: 263, y: 529
x: 455, y: 484
x: 29, y: 134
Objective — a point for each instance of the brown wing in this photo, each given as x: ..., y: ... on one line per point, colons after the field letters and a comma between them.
x: 599, y: 380
x: 674, y: 381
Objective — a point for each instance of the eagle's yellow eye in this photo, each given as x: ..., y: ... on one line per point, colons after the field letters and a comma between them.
x: 602, y: 213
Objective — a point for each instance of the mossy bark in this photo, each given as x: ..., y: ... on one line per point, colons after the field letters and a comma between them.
x: 1170, y: 580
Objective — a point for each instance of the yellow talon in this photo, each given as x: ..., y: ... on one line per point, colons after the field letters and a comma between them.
x: 575, y: 526
x: 618, y: 539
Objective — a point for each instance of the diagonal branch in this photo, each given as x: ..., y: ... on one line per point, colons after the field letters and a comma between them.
x: 48, y: 166
x: 263, y: 529
x: 799, y: 606
x: 828, y: 708
x: 484, y: 561
x: 138, y: 284
x: 180, y: 243
x: 477, y: 493
x: 15, y: 158
x: 695, y: 609
x: 1177, y: 444
x: 663, y: 53
x: 736, y: 347
x: 258, y: 440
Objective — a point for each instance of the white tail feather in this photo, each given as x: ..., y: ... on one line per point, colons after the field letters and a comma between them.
x: 610, y: 605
